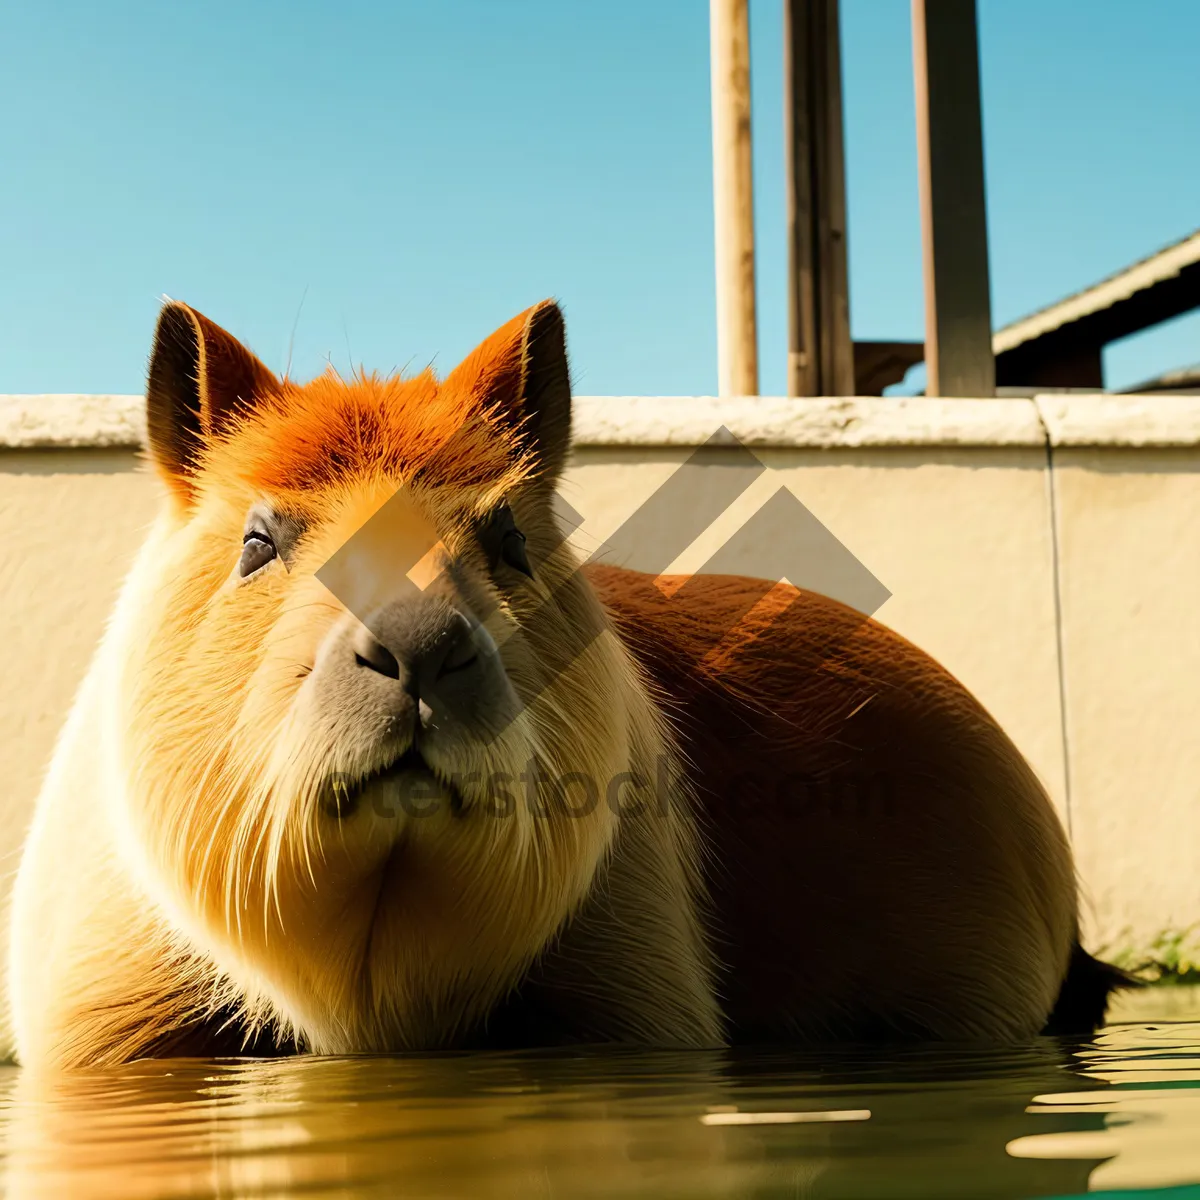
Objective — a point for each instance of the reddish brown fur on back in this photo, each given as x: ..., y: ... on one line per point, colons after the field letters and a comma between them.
x: 833, y: 762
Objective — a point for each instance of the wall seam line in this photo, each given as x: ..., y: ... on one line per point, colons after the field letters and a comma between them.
x: 1059, y: 629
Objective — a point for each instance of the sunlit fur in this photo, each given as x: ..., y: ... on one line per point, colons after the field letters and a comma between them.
x: 840, y: 842
x: 192, y: 767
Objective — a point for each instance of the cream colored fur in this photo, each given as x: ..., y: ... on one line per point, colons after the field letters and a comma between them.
x: 109, y: 946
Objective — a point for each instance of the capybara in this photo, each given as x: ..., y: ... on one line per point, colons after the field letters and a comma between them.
x: 366, y: 762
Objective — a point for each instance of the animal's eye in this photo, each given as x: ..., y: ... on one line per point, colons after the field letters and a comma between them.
x: 257, y: 551
x: 512, y: 550
x: 504, y: 542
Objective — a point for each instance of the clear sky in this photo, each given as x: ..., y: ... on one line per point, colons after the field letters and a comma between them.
x: 394, y: 178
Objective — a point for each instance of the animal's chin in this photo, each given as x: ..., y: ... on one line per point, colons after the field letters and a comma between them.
x: 406, y: 786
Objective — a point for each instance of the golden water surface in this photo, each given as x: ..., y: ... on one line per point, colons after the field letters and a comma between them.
x: 1120, y: 1114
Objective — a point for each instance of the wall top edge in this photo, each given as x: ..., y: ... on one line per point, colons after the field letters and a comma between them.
x: 107, y: 421
x: 60, y: 421
x: 1129, y: 421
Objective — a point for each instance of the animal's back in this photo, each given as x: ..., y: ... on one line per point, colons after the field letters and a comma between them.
x: 866, y: 818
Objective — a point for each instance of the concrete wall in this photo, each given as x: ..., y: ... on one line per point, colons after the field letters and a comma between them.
x: 1046, y: 551
x: 70, y: 522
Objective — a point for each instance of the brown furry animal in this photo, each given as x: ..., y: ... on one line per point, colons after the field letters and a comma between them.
x: 366, y: 762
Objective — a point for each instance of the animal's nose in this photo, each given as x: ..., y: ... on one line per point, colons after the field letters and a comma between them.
x: 419, y: 643
x: 373, y: 654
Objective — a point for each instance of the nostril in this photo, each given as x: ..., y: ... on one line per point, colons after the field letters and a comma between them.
x: 375, y: 656
x: 461, y: 656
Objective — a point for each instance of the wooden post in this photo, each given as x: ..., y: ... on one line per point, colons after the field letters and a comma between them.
x: 820, y: 352
x: 733, y: 199
x: 803, y: 367
x: 958, y: 315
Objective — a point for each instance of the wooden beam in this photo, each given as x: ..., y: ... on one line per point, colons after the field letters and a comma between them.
x: 878, y: 365
x: 1065, y: 360
x: 820, y: 353
x: 958, y: 317
x: 733, y: 199
x: 803, y: 372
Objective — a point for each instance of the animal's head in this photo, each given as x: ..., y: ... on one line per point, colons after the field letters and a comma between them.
x: 367, y: 720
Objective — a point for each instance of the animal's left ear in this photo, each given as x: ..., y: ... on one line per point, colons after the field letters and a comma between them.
x: 520, y: 375
x: 200, y: 377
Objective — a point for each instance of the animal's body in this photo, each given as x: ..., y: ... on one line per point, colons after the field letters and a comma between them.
x: 455, y: 791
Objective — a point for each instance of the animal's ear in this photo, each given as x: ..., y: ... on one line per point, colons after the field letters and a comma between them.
x: 200, y: 376
x: 520, y: 374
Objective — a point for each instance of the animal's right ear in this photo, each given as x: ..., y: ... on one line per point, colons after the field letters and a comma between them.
x: 520, y: 374
x: 200, y: 378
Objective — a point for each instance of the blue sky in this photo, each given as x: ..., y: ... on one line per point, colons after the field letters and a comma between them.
x: 393, y: 180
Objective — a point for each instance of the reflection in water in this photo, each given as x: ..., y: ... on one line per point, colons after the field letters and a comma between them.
x: 1121, y: 1112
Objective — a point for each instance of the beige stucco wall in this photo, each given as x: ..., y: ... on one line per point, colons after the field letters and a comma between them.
x: 70, y: 522
x: 1129, y: 550
x: 1023, y: 547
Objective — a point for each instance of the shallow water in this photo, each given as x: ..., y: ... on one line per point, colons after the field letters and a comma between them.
x: 1119, y: 1115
